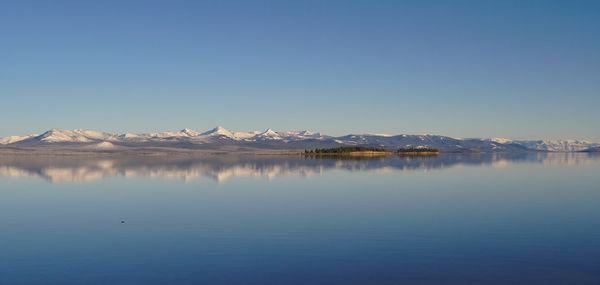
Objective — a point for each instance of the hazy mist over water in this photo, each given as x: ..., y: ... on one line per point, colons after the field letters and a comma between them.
x: 227, y: 219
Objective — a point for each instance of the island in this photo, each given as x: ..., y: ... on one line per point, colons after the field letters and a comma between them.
x: 418, y: 151
x: 363, y: 151
x: 348, y: 151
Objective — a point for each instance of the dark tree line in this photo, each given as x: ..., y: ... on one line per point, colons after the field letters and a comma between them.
x: 344, y: 149
x: 415, y: 149
x: 347, y: 149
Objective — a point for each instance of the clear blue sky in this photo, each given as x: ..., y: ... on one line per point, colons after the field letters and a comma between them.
x: 515, y: 69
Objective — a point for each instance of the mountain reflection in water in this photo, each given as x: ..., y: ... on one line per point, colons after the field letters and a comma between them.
x: 222, y: 167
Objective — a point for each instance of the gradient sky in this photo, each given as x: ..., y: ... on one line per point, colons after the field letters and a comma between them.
x: 514, y: 69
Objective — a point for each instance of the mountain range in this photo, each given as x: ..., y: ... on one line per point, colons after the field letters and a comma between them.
x: 220, y: 136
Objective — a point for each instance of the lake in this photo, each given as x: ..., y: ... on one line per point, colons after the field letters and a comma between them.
x: 527, y: 218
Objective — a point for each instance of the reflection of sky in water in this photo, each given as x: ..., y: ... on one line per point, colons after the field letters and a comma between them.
x: 220, y: 168
x: 445, y: 220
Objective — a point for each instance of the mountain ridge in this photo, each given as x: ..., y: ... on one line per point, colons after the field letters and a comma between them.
x: 290, y: 139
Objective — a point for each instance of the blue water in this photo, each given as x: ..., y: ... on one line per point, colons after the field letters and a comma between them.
x: 452, y: 219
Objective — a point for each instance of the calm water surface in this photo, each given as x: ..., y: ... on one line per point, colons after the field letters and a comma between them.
x: 452, y: 219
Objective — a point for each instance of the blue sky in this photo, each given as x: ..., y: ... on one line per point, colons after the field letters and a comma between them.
x: 514, y: 69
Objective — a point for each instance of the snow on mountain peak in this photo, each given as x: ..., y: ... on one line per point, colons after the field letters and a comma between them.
x: 190, y: 132
x: 129, y: 135
x: 75, y: 136
x: 269, y: 132
x: 56, y: 135
x: 222, y: 135
x: 14, y: 139
x: 558, y: 145
x: 500, y: 140
x: 305, y: 133
x: 219, y: 131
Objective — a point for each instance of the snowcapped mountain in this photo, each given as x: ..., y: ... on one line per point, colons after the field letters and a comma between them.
x: 269, y: 135
x: 558, y: 145
x: 293, y: 140
x: 62, y: 136
x: 220, y: 131
x: 15, y: 139
x: 593, y: 150
x: 75, y: 136
x: 550, y: 145
x: 190, y: 132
